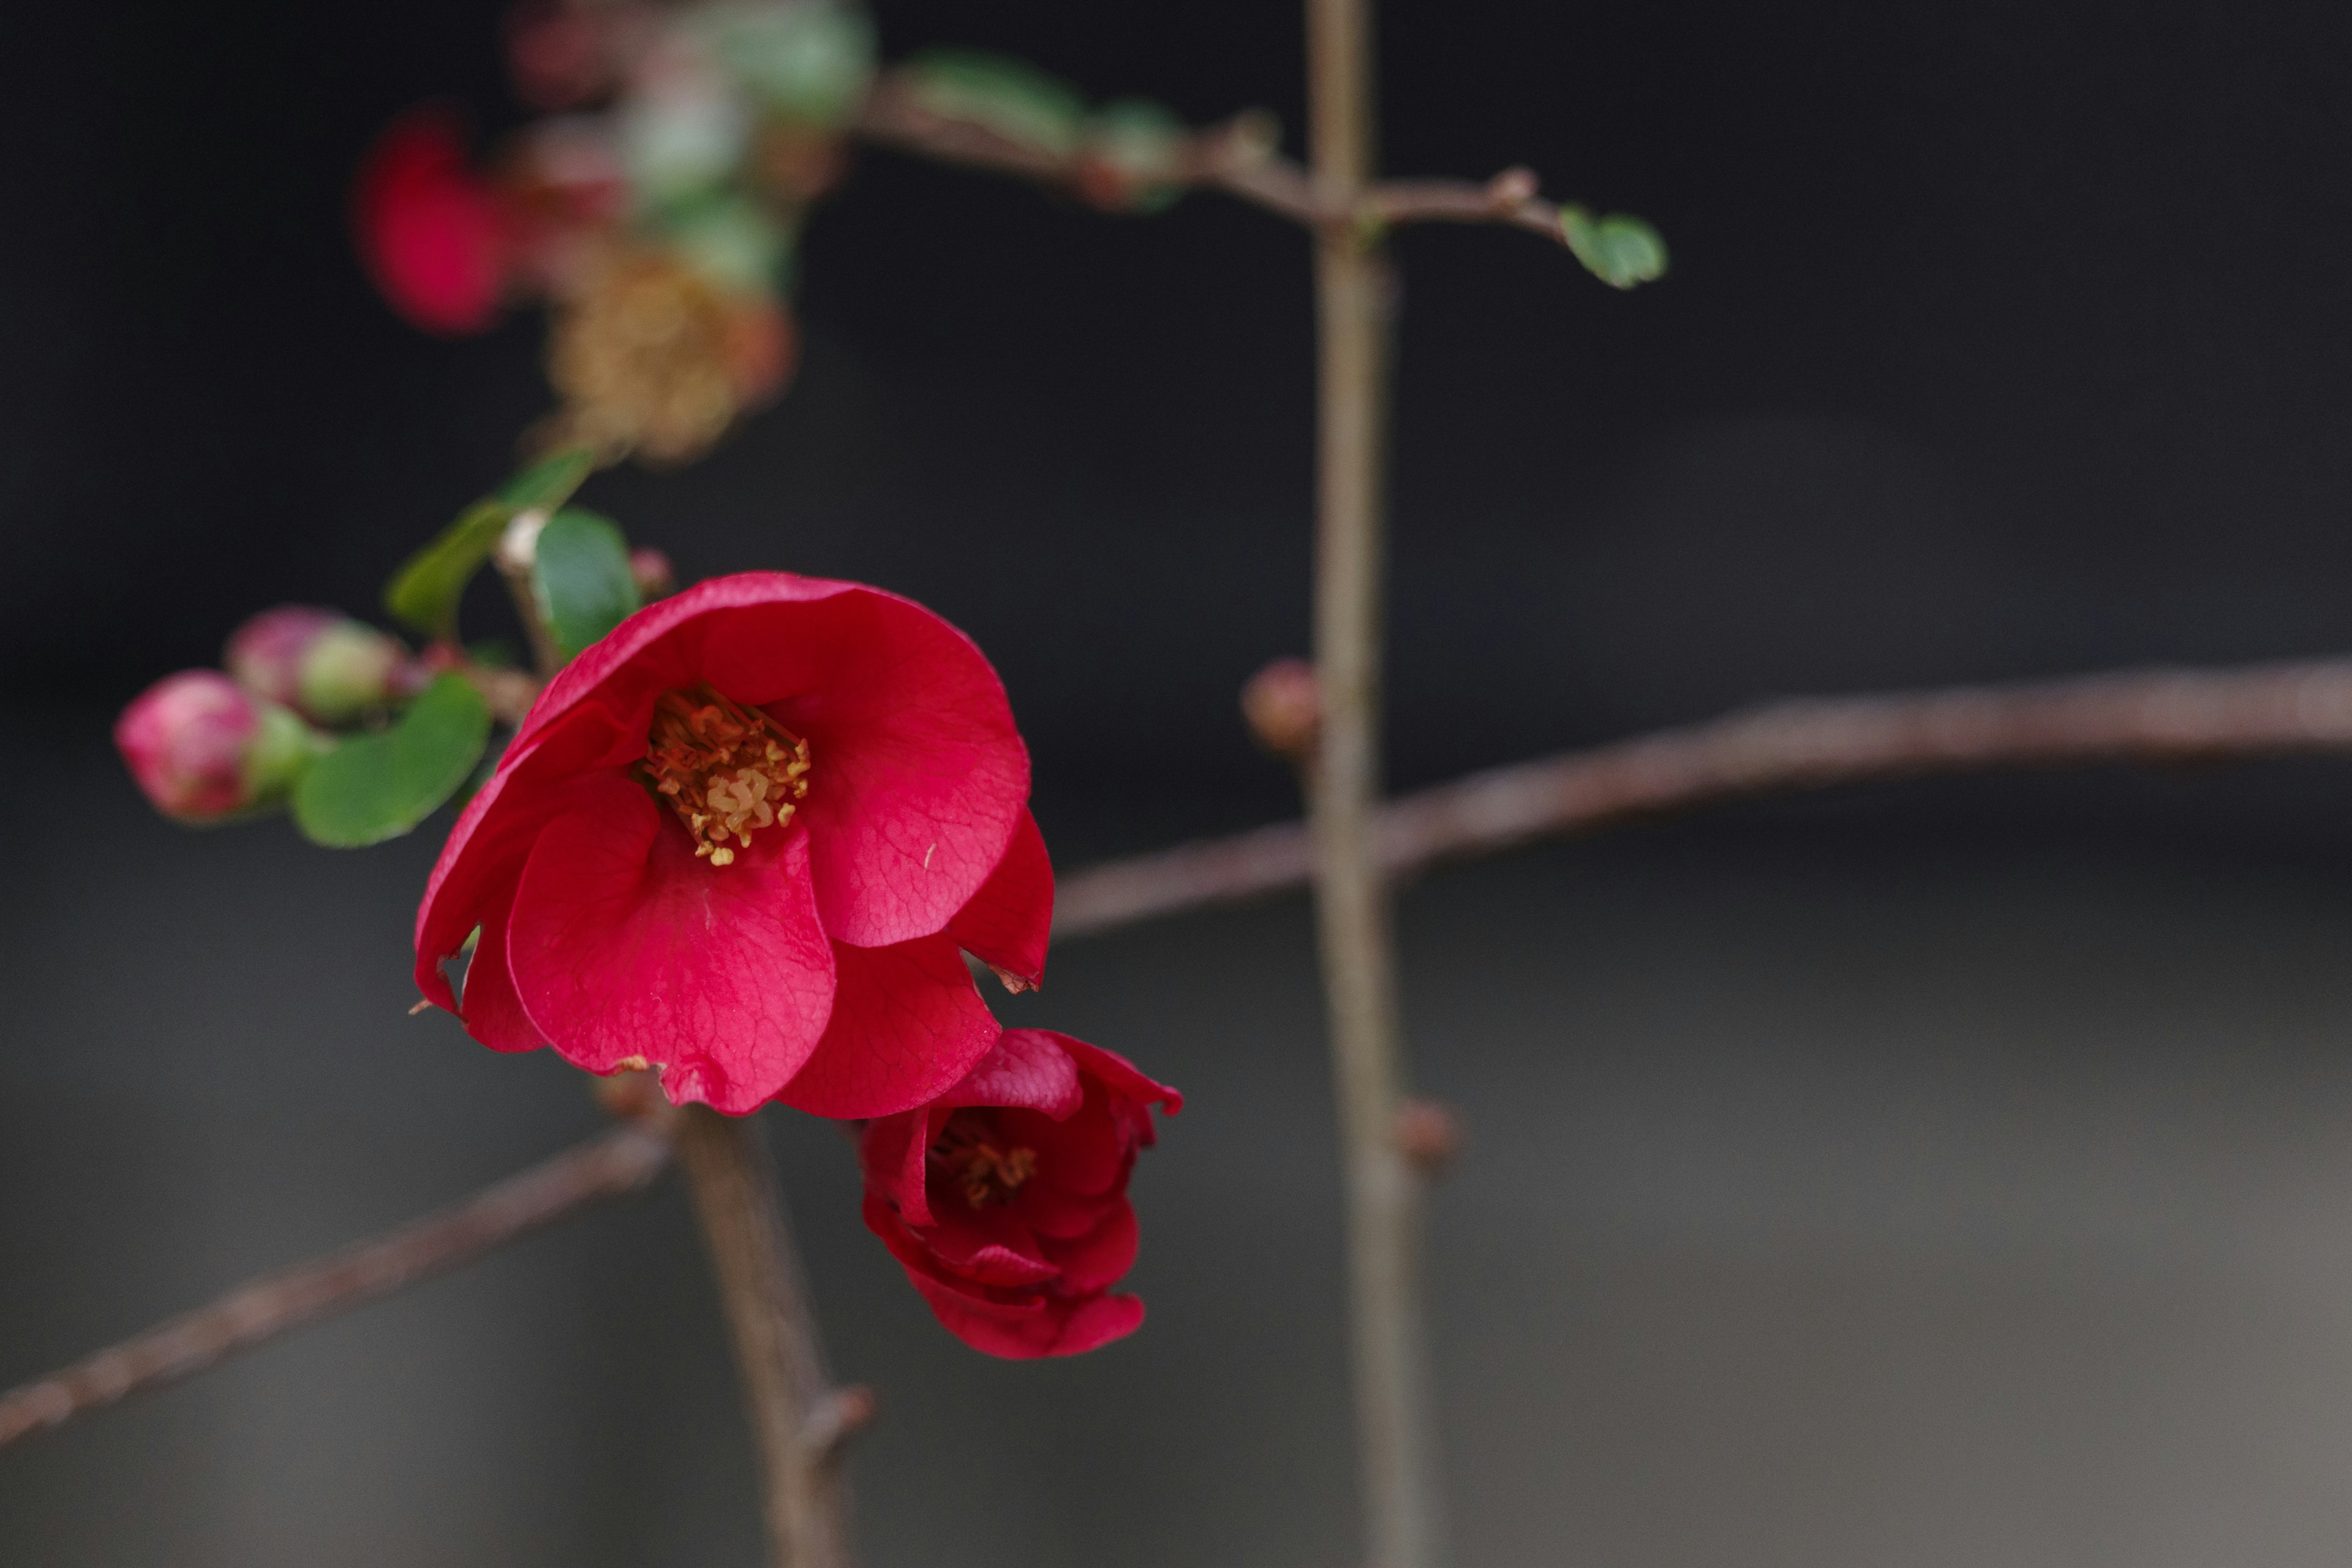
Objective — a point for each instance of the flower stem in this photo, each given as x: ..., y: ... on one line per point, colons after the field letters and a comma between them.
x: 799, y: 1421
x: 1354, y: 293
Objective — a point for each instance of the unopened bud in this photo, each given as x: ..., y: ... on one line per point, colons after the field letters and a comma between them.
x: 1428, y: 1134
x: 203, y: 748
x: 1283, y: 711
x: 655, y: 577
x: 321, y: 663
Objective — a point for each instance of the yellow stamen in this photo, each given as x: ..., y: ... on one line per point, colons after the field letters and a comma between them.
x: 727, y: 769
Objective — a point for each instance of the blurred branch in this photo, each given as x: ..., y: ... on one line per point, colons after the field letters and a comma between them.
x: 622, y: 1161
x: 2162, y: 716
x: 1355, y: 295
x: 1236, y: 157
x: 799, y: 1421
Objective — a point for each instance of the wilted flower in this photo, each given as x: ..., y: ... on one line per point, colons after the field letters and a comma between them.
x: 742, y: 839
x: 1005, y: 1198
x: 321, y: 663
x: 203, y: 748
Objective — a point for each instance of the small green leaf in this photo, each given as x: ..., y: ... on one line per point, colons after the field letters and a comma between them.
x: 423, y: 595
x: 548, y: 483
x: 582, y: 578
x: 1008, y: 96
x: 374, y: 787
x: 1619, y: 249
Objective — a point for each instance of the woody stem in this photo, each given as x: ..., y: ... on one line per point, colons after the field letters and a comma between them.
x: 798, y: 1419
x: 1354, y: 292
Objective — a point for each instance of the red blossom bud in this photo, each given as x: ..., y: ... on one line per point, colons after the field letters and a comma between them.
x: 203, y: 748
x: 432, y: 232
x: 1284, y: 713
x: 321, y: 663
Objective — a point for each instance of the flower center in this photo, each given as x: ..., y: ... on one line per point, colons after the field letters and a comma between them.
x: 727, y: 769
x: 972, y: 1153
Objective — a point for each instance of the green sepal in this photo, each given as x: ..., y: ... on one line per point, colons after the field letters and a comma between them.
x: 581, y: 578
x: 374, y: 787
x: 1619, y: 249
x: 423, y: 595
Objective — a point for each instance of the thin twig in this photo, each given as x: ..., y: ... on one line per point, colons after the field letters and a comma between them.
x: 622, y: 1161
x: 1396, y: 1438
x: 2160, y: 715
x: 1236, y: 157
x: 799, y: 1420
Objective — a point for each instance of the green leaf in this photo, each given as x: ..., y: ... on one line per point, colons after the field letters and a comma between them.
x: 548, y: 483
x: 582, y: 578
x: 1619, y: 249
x: 374, y: 787
x: 1008, y: 96
x: 423, y: 595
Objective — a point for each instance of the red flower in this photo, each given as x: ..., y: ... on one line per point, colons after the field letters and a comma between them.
x: 432, y: 232
x: 1005, y: 1198
x: 741, y: 839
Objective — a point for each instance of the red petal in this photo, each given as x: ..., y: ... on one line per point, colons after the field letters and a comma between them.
x: 1119, y: 1075
x: 622, y: 944
x: 987, y: 1245
x: 1025, y: 1067
x: 907, y: 1023
x: 891, y: 1153
x: 1007, y: 922
x: 473, y: 881
x: 918, y: 775
x: 1099, y: 1260
x: 492, y: 1012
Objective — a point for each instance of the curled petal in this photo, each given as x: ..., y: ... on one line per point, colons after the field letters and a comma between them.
x: 1006, y: 923
x: 622, y: 944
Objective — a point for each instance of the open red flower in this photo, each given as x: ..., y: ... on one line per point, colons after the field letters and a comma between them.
x: 432, y: 232
x: 741, y: 839
x: 1005, y: 1198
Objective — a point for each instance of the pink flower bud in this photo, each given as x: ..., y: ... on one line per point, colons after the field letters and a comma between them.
x: 321, y: 663
x: 203, y: 748
x: 655, y: 577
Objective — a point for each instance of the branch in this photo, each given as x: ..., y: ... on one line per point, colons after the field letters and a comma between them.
x: 799, y: 1421
x: 1237, y: 157
x: 1396, y: 1420
x: 622, y: 1161
x: 1805, y: 744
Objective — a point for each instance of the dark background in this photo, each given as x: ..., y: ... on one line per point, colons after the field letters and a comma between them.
x: 1941, y: 1173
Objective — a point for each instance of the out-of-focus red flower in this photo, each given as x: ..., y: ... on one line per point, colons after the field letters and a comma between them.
x: 321, y: 663
x: 1005, y: 1198
x: 203, y: 748
x: 742, y: 839
x: 430, y: 230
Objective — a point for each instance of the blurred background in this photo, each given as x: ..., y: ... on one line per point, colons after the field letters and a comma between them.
x: 1938, y: 1174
